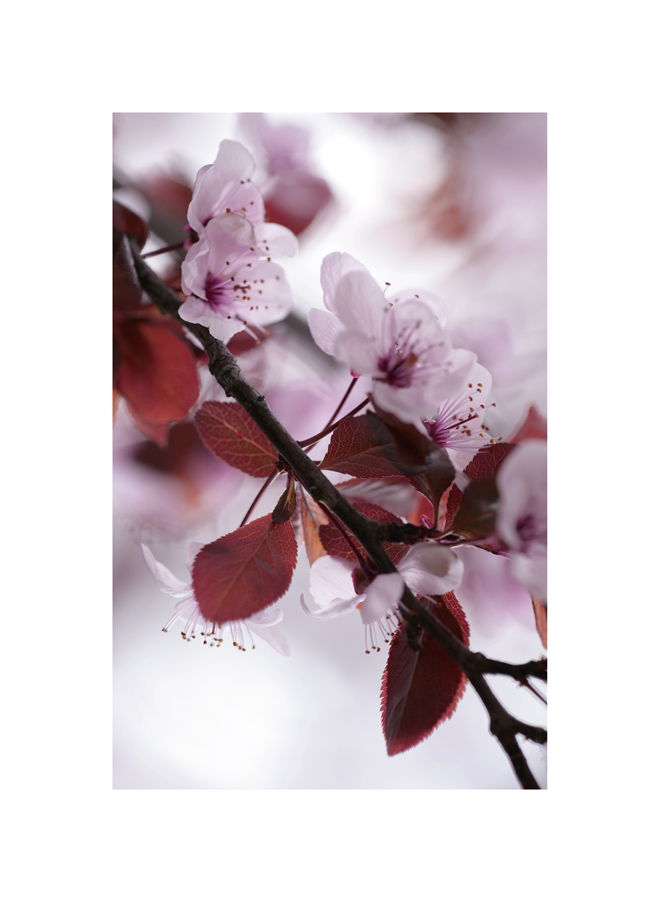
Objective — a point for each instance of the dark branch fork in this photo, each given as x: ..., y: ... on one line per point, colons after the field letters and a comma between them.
x: 224, y: 367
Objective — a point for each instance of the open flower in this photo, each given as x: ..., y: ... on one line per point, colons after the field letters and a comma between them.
x: 458, y: 422
x: 226, y: 186
x: 228, y: 286
x: 426, y: 569
x: 242, y: 631
x: 400, y: 342
x: 522, y: 514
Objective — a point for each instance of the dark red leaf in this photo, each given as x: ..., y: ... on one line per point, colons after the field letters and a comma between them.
x: 487, y: 461
x: 129, y: 223
x: 471, y: 513
x: 475, y: 518
x: 244, y: 572
x: 426, y: 465
x: 454, y: 499
x: 534, y: 426
x: 169, y: 196
x: 381, y: 446
x: 156, y: 370
x: 422, y: 688
x: 362, y: 447
x: 286, y: 505
x: 126, y: 288
x: 242, y: 342
x: 296, y: 198
x: 335, y: 544
x: 157, y: 432
x: 229, y: 432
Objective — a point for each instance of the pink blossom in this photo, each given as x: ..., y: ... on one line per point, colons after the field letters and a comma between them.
x: 427, y: 569
x: 458, y: 422
x: 228, y: 286
x: 522, y: 483
x: 400, y: 342
x: 187, y: 610
x: 226, y: 186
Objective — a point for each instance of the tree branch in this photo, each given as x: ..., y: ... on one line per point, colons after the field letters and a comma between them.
x: 226, y: 370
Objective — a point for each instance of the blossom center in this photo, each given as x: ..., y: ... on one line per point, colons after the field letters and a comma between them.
x: 222, y: 293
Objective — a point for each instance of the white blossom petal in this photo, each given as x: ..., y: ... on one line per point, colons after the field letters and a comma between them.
x: 383, y: 594
x: 325, y: 327
x: 333, y: 268
x: 165, y: 580
x: 330, y: 578
x: 272, y: 636
x: 430, y: 569
x: 334, y: 608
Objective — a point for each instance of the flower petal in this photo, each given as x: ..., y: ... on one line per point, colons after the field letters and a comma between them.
x: 431, y: 569
x: 273, y: 637
x: 279, y: 241
x: 165, y: 580
x: 432, y: 301
x: 325, y: 327
x: 383, y: 594
x: 329, y: 578
x: 335, y: 266
x: 334, y: 608
x: 360, y: 304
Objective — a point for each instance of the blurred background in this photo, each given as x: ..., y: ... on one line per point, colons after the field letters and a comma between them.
x: 451, y: 203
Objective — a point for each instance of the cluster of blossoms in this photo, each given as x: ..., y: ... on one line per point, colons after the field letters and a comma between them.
x: 402, y: 343
x: 228, y: 277
x: 402, y: 346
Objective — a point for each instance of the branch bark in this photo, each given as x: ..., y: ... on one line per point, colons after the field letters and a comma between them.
x: 225, y: 369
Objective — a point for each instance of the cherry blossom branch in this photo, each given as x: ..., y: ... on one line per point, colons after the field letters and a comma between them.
x: 224, y: 367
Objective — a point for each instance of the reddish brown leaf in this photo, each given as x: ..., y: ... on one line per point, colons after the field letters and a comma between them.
x: 487, y: 461
x: 286, y: 505
x: 129, y: 223
x: 229, y: 432
x: 454, y: 499
x: 126, y: 288
x: 471, y: 513
x: 363, y: 447
x: 425, y: 464
x: 169, y: 195
x: 422, y: 688
x: 156, y: 370
x: 296, y: 198
x: 157, y: 432
x: 475, y: 517
x: 382, y: 446
x: 335, y: 544
x: 244, y: 572
x: 534, y: 426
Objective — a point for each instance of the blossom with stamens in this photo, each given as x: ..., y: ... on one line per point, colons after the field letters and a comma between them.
x: 338, y: 587
x: 228, y: 286
x: 187, y: 610
x: 401, y: 342
x: 458, y: 422
x: 225, y: 186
